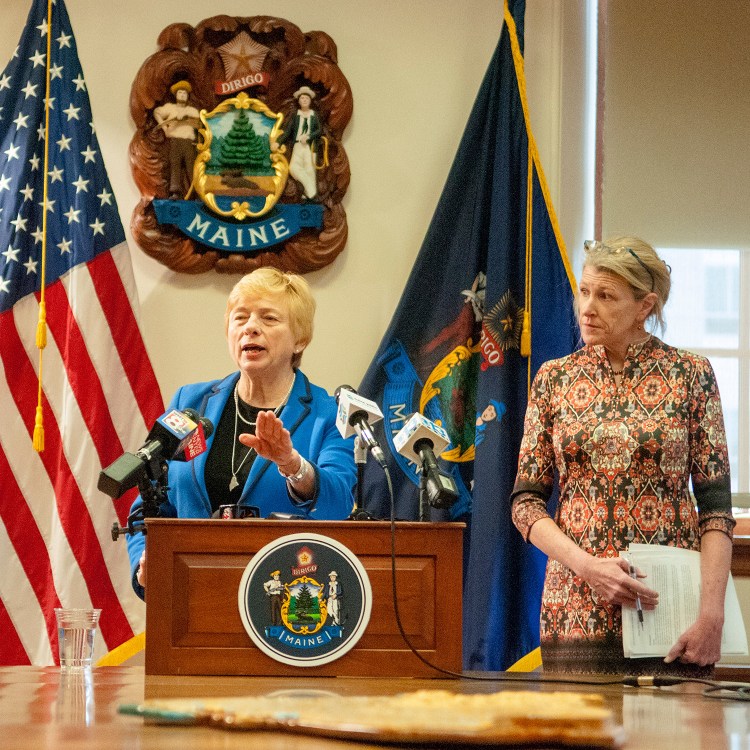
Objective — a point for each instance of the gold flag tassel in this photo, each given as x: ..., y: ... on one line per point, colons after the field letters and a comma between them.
x: 526, y: 329
x: 41, y: 327
x: 39, y: 428
x: 526, y: 335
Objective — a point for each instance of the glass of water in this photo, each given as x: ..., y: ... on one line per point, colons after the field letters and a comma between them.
x: 75, y: 631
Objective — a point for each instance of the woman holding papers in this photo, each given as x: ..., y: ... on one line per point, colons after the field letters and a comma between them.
x: 275, y: 445
x: 626, y: 422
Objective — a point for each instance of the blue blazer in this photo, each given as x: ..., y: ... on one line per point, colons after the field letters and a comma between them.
x: 310, y: 417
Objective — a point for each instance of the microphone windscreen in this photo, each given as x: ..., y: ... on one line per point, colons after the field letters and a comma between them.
x: 417, y: 428
x: 172, y: 430
x: 354, y: 408
x: 121, y: 475
x: 208, y: 427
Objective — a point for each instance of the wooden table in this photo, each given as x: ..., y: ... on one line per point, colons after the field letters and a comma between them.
x: 40, y: 708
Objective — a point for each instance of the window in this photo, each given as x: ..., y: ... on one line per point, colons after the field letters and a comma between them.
x: 709, y: 314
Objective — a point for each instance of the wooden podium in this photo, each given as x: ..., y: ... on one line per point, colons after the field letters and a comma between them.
x: 193, y: 623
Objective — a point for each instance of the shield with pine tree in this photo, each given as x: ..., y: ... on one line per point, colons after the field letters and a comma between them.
x: 304, y: 609
x: 239, y: 158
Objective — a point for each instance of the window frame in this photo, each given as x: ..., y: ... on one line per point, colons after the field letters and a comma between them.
x: 740, y: 497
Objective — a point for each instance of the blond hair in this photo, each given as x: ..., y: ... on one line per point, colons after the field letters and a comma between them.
x: 638, y: 264
x: 292, y: 288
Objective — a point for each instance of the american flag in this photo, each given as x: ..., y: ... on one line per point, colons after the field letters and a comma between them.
x: 99, y: 394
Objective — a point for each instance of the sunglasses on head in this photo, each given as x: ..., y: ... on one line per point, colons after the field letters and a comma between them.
x: 596, y: 246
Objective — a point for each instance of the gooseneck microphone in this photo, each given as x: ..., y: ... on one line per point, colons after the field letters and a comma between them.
x: 355, y: 415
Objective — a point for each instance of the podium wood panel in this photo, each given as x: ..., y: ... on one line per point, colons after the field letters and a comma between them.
x: 193, y: 624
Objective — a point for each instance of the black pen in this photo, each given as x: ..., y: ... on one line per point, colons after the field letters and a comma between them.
x: 638, y: 607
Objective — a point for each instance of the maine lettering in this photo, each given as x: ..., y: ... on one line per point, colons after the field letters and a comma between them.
x: 192, y: 219
x: 233, y: 237
x: 305, y: 641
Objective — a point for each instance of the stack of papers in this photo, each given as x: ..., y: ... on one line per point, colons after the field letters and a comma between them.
x: 676, y: 574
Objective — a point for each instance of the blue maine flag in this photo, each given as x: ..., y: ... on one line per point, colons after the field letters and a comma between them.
x: 490, y: 298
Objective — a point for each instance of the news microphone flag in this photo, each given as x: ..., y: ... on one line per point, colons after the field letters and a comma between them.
x: 175, y: 435
x: 500, y: 303
x: 351, y: 404
x: 417, y: 429
x: 99, y: 395
x: 196, y: 441
x: 174, y: 430
x: 356, y: 414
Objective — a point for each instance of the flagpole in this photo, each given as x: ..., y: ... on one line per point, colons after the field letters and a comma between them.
x: 41, y: 329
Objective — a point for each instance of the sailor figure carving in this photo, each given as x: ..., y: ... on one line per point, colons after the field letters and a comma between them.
x: 304, y: 132
x: 334, y: 593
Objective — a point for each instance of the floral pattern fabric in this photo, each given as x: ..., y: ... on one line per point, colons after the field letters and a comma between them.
x: 624, y: 455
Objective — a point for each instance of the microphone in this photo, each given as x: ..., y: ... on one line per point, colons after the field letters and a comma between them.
x: 418, y: 441
x: 176, y: 434
x: 354, y: 415
x: 195, y: 443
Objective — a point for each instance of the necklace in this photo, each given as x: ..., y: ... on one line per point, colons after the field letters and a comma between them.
x: 249, y: 422
x: 233, y: 482
x: 635, y: 343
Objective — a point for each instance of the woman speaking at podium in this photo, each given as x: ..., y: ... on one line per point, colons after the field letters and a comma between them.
x: 275, y: 444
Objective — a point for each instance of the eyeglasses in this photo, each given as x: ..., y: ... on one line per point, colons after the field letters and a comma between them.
x: 596, y: 246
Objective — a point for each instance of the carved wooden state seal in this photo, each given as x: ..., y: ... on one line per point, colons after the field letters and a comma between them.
x: 238, y: 151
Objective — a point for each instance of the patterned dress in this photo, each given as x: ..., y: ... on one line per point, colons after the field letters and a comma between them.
x: 624, y: 456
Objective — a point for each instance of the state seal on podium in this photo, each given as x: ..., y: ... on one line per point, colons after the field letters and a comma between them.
x: 305, y: 599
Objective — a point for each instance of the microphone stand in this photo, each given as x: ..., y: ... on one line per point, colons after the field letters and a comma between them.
x: 424, y: 505
x: 153, y: 488
x: 360, y: 459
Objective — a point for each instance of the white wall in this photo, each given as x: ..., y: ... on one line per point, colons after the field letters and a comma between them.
x: 414, y: 67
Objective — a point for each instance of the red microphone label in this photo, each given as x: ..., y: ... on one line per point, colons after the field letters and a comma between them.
x: 196, y: 445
